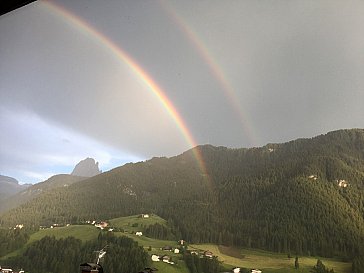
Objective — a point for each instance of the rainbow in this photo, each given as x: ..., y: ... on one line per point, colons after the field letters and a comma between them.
x: 215, y: 70
x: 83, y: 26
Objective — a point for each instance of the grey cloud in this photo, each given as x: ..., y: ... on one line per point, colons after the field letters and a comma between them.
x: 296, y: 68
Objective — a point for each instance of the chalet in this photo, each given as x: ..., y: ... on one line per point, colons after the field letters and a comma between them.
x: 6, y: 270
x: 208, y: 253
x: 313, y: 177
x: 166, y: 259
x: 9, y: 270
x: 155, y: 258
x: 181, y: 242
x: 342, y: 183
x: 90, y: 267
x: 101, y: 225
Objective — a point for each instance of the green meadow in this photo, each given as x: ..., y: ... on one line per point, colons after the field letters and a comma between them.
x: 82, y: 232
x: 136, y: 223
x: 266, y: 261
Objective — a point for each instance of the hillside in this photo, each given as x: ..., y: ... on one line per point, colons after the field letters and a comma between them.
x: 14, y: 194
x: 9, y: 186
x: 288, y: 197
x: 32, y: 191
x: 229, y: 257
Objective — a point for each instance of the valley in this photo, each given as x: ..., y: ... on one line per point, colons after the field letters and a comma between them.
x: 186, y: 136
x: 229, y: 257
x: 256, y: 206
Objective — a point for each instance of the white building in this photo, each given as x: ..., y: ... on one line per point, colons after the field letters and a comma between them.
x: 342, y: 183
x: 155, y: 258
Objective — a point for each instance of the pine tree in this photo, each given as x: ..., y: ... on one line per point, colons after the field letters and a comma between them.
x: 296, y: 263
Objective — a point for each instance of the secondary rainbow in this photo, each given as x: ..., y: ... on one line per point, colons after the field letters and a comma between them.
x: 215, y: 69
x: 119, y: 53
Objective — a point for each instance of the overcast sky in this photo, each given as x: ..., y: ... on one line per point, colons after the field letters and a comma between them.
x: 233, y: 73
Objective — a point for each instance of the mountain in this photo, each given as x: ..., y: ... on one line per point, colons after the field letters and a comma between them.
x: 33, y: 191
x: 305, y: 196
x: 9, y: 186
x: 86, y: 168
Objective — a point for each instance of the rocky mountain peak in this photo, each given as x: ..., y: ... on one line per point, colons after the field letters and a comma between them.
x: 87, y: 168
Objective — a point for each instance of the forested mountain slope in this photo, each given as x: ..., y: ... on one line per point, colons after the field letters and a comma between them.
x: 83, y: 169
x: 32, y: 191
x: 304, y: 196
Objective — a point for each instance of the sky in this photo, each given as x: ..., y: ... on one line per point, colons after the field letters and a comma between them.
x: 125, y: 81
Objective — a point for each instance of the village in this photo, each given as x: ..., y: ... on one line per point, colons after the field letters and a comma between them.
x: 165, y: 257
x: 166, y: 254
x: 163, y: 253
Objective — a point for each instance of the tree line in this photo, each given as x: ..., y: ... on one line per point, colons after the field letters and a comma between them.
x: 203, y: 264
x: 12, y: 239
x: 65, y: 255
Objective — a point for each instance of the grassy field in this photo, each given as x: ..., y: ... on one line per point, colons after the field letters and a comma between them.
x: 270, y: 262
x: 132, y: 224
x: 135, y: 223
x: 129, y: 224
x: 82, y: 232
x: 146, y: 241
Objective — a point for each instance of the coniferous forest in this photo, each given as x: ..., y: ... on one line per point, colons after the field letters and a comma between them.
x: 65, y: 255
x: 304, y: 197
x: 12, y: 239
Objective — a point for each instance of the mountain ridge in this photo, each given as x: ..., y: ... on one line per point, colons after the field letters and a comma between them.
x: 9, y: 186
x: 14, y: 194
x: 33, y: 191
x: 281, y: 197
